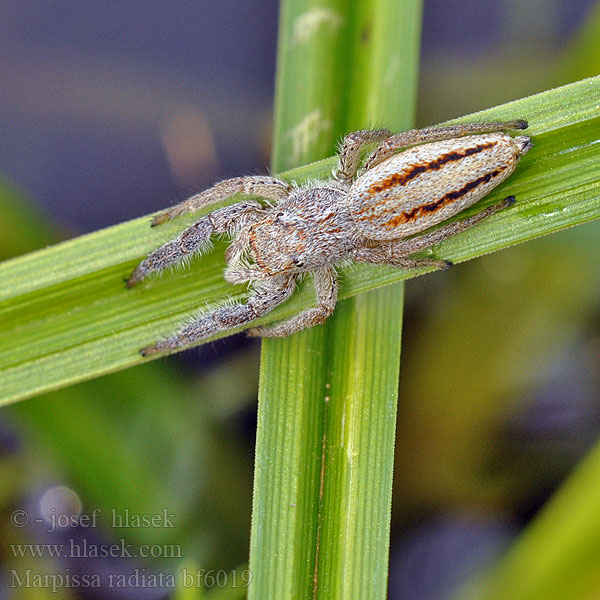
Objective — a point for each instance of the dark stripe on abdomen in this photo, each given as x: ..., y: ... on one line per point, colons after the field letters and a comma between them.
x: 434, y: 165
x: 432, y: 207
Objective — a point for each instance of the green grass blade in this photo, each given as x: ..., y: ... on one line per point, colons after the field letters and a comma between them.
x: 284, y: 533
x: 323, y: 490
x: 382, y: 86
x: 310, y: 77
x: 365, y: 336
x: 288, y: 464
x: 66, y: 316
x: 359, y: 446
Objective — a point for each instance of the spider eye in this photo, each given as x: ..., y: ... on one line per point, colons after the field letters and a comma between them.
x: 298, y: 261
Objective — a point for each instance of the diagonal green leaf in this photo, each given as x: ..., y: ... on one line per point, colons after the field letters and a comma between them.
x: 66, y: 315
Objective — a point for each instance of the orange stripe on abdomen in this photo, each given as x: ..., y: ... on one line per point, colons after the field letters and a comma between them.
x: 432, y: 207
x: 402, y: 178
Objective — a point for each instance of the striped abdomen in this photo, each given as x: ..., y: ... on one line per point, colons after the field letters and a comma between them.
x: 427, y: 184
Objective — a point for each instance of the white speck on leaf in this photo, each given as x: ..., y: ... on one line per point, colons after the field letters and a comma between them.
x: 306, y: 132
x: 308, y: 24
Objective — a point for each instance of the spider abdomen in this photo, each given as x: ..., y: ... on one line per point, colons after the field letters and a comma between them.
x: 425, y: 185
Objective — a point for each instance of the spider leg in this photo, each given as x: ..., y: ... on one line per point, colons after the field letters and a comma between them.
x: 264, y: 299
x: 397, y: 253
x: 196, y: 238
x: 326, y: 286
x: 350, y: 147
x: 385, y: 254
x: 426, y: 240
x: 258, y: 185
x: 436, y: 134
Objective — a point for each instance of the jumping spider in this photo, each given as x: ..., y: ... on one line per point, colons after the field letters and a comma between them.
x: 364, y: 218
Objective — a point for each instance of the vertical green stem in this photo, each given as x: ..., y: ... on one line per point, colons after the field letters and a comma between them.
x: 309, y: 102
x: 361, y: 419
x: 327, y: 402
x: 290, y: 426
x: 359, y: 457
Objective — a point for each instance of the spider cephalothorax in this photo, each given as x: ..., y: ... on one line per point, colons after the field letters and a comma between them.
x: 366, y: 218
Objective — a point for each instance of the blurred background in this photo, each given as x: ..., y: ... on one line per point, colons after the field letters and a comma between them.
x: 110, y: 110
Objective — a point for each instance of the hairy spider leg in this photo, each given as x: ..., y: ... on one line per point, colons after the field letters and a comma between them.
x: 436, y: 134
